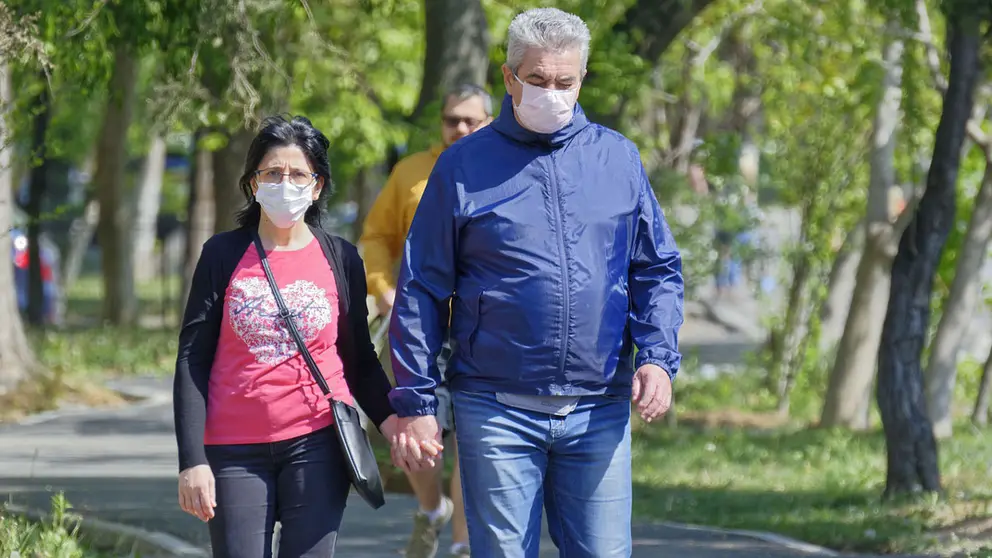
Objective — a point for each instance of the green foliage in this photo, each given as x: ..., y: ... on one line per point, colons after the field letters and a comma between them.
x: 55, y: 538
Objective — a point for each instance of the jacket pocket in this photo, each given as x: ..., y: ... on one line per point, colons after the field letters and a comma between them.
x: 465, y: 322
x: 473, y: 332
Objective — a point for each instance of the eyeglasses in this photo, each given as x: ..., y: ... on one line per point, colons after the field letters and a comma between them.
x: 275, y: 174
x: 454, y: 121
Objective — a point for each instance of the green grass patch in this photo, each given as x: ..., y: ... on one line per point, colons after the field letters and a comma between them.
x: 107, y: 351
x: 87, y: 348
x: 55, y: 538
x: 76, y: 358
x: 732, y: 463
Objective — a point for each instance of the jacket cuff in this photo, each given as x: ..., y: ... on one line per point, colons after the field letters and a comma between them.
x: 408, y: 403
x: 669, y: 361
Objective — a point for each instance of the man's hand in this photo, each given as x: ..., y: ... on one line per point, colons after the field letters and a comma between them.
x: 386, y: 302
x: 652, y: 391
x: 197, y: 492
x: 416, y: 443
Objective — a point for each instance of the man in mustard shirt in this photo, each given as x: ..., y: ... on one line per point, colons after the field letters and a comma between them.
x: 467, y: 108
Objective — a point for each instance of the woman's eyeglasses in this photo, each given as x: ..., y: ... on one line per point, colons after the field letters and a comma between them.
x: 275, y: 176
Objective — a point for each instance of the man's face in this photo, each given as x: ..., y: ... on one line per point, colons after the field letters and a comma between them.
x: 461, y: 118
x: 547, y: 70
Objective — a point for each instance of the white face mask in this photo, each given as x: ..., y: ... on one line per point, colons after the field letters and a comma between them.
x: 545, y: 110
x: 284, y: 204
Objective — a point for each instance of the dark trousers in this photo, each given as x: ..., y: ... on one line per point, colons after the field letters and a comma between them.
x: 301, y: 483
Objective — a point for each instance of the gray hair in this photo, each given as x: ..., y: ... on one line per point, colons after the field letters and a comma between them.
x: 466, y: 91
x: 546, y: 29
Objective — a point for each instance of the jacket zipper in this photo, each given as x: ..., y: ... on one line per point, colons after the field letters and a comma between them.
x: 566, y: 279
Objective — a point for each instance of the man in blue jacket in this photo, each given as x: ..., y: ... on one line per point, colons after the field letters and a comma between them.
x: 544, y: 233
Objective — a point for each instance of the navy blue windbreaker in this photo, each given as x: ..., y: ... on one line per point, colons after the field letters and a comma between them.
x: 556, y: 258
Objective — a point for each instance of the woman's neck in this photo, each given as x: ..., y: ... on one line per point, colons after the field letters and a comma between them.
x: 274, y: 238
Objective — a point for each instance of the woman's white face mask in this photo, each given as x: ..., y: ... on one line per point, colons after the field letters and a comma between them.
x: 545, y: 111
x: 284, y: 203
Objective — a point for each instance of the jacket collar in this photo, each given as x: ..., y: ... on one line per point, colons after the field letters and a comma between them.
x: 506, y: 124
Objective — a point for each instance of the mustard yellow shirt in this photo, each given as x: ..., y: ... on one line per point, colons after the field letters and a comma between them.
x: 390, y: 217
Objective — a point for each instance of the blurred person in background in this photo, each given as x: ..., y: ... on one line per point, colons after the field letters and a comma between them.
x: 466, y: 109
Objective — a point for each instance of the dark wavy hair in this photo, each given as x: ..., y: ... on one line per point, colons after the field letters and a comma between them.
x: 277, y: 131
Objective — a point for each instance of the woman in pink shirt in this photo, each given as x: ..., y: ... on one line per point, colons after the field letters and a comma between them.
x: 252, y: 425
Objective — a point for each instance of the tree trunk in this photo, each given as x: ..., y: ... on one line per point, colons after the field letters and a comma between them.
x: 848, y: 398
x: 910, y: 445
x: 792, y: 332
x: 840, y: 287
x: 81, y: 236
x: 962, y: 300
x: 16, y: 359
x: 228, y: 165
x: 457, y: 48
x: 200, y: 210
x: 146, y: 207
x: 36, y: 195
x: 980, y: 415
x: 117, y: 249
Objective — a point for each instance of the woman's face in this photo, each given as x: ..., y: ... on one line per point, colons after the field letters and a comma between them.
x: 287, y: 163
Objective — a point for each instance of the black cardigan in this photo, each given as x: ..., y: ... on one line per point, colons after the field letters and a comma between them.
x: 201, y: 329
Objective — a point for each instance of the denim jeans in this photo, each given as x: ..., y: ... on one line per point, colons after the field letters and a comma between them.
x: 301, y: 483
x: 578, y: 466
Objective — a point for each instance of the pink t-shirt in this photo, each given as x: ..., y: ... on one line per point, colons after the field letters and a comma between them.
x: 260, y: 387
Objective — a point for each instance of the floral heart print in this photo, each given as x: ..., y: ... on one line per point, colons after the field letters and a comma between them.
x: 254, y: 316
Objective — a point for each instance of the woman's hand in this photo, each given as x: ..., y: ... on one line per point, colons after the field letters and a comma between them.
x: 409, y: 452
x: 197, y: 492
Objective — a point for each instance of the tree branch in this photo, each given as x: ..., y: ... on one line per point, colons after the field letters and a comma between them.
x: 659, y: 22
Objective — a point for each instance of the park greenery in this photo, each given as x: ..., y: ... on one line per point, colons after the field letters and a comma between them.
x: 858, y: 423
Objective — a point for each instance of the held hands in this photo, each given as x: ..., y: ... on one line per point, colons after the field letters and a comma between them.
x: 197, y: 492
x: 652, y: 391
x: 415, y: 441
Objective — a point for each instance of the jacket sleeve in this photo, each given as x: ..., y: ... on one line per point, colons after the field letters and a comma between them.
x: 197, y: 346
x: 382, y: 237
x: 366, y: 379
x: 426, y: 283
x: 655, y: 284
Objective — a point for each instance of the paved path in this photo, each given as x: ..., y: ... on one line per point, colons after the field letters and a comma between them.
x: 120, y: 465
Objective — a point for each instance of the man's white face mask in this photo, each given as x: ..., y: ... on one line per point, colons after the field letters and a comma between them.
x: 545, y: 111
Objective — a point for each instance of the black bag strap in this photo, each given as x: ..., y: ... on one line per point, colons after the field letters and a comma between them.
x: 287, y: 317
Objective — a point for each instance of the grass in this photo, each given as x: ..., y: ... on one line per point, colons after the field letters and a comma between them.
x: 733, y: 463
x: 55, y: 538
x: 77, y: 358
x: 816, y: 485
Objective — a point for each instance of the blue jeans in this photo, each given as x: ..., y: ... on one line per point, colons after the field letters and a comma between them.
x: 301, y: 482
x: 578, y: 466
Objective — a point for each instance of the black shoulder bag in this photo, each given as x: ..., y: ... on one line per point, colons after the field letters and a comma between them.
x: 363, y: 470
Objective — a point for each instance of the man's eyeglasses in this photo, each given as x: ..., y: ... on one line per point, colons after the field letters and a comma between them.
x: 454, y: 121
x: 275, y: 175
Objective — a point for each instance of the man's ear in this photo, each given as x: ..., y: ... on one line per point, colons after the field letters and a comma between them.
x: 507, y: 77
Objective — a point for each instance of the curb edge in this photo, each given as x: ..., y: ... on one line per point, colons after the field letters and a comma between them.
x: 780, y: 540
x: 108, y: 534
